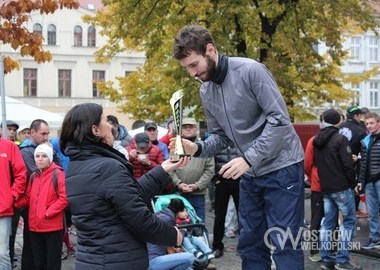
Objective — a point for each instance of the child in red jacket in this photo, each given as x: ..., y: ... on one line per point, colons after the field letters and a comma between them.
x: 47, y: 200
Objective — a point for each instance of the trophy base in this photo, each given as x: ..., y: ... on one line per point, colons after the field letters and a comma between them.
x: 175, y: 157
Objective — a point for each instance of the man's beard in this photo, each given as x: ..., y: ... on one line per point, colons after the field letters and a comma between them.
x: 210, y: 70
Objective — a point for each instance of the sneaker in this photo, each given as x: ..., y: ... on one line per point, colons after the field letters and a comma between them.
x: 347, y: 266
x: 64, y: 256
x: 218, y: 253
x: 210, y: 255
x: 198, y: 254
x: 315, y: 257
x: 230, y: 234
x: 371, y: 244
x: 328, y: 265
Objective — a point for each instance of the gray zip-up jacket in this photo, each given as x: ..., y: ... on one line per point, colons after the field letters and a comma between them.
x: 247, y: 110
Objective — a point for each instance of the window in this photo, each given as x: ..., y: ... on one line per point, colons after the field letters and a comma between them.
x: 373, y: 49
x: 91, y: 37
x: 97, y: 76
x: 78, y: 34
x: 30, y: 82
x: 52, y: 34
x: 374, y: 94
x: 355, y: 48
x: 127, y: 73
x: 64, y: 82
x: 355, y: 87
x: 37, y: 28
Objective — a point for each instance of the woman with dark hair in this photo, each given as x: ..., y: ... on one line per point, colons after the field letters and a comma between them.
x: 110, y: 209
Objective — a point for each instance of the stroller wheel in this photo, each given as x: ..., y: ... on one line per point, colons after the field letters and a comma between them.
x: 201, y: 263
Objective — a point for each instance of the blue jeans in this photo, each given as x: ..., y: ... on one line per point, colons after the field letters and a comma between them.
x: 198, y: 202
x: 372, y: 196
x: 5, y: 233
x: 175, y: 261
x: 195, y: 243
x: 344, y: 202
x: 270, y: 203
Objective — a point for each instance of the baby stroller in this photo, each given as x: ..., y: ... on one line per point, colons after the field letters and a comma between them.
x: 197, y: 228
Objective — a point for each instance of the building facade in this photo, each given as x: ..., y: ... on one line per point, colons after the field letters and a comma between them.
x: 70, y: 77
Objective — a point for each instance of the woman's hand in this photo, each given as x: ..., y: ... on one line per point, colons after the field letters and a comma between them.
x: 170, y: 166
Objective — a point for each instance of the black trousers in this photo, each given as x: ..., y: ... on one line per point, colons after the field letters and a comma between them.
x: 47, y: 247
x: 223, y: 191
x: 317, y: 213
x: 27, y: 262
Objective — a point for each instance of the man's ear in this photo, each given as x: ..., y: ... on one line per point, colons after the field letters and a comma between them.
x: 210, y: 49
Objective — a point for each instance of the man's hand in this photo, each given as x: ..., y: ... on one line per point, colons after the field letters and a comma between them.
x: 133, y: 153
x: 234, y: 169
x: 189, y: 146
x: 193, y: 187
x: 145, y: 161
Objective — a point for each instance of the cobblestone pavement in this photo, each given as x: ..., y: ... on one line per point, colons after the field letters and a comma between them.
x: 231, y: 261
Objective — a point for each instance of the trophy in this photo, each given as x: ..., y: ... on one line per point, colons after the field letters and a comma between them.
x: 176, y: 104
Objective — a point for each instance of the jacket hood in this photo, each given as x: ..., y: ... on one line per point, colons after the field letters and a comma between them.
x: 323, y: 136
x: 26, y: 143
x: 123, y: 132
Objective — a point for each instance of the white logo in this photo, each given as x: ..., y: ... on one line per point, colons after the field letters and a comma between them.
x: 346, y: 132
x: 282, y: 238
x: 289, y: 187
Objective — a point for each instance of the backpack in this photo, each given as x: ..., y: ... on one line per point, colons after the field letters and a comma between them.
x: 54, y: 179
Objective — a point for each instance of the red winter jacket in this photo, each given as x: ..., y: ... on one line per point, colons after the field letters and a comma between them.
x: 311, y: 170
x: 156, y: 157
x: 12, y: 170
x: 46, y: 208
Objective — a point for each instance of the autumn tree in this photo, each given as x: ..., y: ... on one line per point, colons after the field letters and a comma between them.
x: 13, y: 16
x: 282, y: 34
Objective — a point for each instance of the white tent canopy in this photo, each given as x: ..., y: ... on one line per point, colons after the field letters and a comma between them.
x: 24, y: 114
x: 161, y: 131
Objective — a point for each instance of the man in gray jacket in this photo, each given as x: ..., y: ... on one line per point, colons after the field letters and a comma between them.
x: 244, y: 108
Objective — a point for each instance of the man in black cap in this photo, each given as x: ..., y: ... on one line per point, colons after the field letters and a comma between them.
x: 333, y: 159
x: 144, y: 155
x: 12, y: 128
x: 151, y: 130
x: 354, y: 131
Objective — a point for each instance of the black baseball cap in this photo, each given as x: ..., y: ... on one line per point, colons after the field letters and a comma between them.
x: 142, y: 140
x: 354, y: 110
x: 150, y: 125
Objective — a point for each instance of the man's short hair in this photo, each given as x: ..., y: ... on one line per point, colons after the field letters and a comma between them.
x: 112, y: 120
x: 372, y: 115
x: 36, y: 124
x: 191, y: 38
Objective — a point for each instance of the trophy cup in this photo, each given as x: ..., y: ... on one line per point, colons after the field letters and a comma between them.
x: 176, y: 104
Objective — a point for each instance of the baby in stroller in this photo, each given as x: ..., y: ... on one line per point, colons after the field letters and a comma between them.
x: 195, y: 233
x: 191, y: 242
